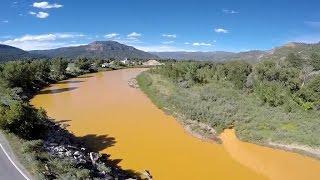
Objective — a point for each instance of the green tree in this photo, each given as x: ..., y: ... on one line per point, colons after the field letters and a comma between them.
x: 237, y: 72
x: 315, y: 61
x: 58, y: 69
x: 83, y: 64
x: 311, y: 91
x: 41, y: 69
x: 18, y: 74
x: 295, y: 60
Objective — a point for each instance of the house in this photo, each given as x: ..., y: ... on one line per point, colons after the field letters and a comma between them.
x: 152, y: 62
x: 105, y: 65
x: 125, y: 61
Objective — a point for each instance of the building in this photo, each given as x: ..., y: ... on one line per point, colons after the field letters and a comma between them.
x: 125, y: 61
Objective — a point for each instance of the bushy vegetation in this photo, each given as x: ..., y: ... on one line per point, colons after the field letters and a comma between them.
x: 275, y: 101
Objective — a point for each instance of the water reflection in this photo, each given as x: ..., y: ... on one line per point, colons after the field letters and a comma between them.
x: 70, y: 82
x: 57, y: 91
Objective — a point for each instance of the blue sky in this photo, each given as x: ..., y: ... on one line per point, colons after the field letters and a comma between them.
x: 160, y: 25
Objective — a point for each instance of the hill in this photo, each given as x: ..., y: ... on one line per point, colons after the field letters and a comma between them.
x: 101, y: 49
x: 212, y: 56
x: 303, y: 49
x: 8, y: 53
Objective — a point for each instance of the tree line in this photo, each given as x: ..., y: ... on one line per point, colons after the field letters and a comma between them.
x: 292, y: 81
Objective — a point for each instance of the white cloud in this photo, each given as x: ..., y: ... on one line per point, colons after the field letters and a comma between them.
x: 167, y: 42
x: 42, y: 41
x: 201, y: 44
x: 229, y: 11
x: 46, y: 5
x: 41, y: 15
x: 161, y: 48
x: 221, y: 30
x: 169, y: 35
x: 133, y: 35
x: 5, y: 21
x: 186, y: 43
x: 111, y: 35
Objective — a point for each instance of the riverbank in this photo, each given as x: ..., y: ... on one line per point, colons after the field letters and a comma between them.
x: 227, y: 103
x: 146, y: 138
x: 44, y: 147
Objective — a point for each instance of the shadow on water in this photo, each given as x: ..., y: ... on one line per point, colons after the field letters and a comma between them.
x: 61, y: 121
x: 95, y: 143
x: 84, y: 77
x: 69, y: 82
x: 57, y: 91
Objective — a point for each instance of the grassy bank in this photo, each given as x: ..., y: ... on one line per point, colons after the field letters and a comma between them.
x: 220, y: 104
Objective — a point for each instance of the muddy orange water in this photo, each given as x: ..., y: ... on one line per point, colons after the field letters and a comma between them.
x: 121, y: 121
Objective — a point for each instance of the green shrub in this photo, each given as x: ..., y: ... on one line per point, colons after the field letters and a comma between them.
x: 272, y: 93
x: 315, y: 61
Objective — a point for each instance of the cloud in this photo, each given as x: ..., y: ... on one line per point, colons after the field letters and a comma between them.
x: 111, y: 35
x: 42, y: 41
x: 169, y: 35
x: 41, y: 15
x: 46, y: 5
x: 167, y: 42
x: 134, y: 35
x: 186, y: 43
x: 201, y: 44
x: 5, y: 21
x: 161, y: 48
x: 229, y: 11
x: 221, y: 30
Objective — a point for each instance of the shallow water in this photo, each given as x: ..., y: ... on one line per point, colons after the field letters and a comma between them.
x: 121, y: 121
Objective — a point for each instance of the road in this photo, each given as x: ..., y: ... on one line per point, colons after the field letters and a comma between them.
x: 10, y: 169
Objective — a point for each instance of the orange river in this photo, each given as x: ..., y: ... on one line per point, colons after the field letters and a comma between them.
x: 119, y: 120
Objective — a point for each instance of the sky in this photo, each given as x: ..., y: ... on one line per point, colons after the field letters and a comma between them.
x: 160, y: 25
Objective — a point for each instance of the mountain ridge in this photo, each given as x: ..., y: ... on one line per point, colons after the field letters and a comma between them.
x: 8, y: 53
x: 101, y: 49
x: 214, y: 55
x: 116, y: 50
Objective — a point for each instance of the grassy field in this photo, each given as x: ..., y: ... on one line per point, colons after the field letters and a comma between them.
x: 222, y: 106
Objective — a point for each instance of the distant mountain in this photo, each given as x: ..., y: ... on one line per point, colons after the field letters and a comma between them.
x: 102, y: 49
x: 212, y: 56
x: 112, y: 49
x: 204, y: 56
x: 8, y: 53
x: 303, y: 49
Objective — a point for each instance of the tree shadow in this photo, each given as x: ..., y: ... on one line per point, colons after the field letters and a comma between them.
x: 92, y: 143
x: 62, y: 121
x: 115, y: 164
x: 57, y: 91
x: 69, y: 82
x: 97, y: 142
x: 84, y: 77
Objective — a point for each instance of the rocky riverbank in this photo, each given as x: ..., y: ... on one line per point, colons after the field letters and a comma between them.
x: 60, y: 143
